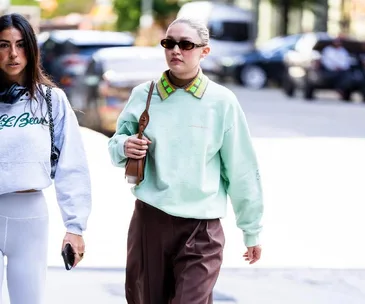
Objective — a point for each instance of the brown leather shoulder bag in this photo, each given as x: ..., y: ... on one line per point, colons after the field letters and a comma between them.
x: 134, y: 168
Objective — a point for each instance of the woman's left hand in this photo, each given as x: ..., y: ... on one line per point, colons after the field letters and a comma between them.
x: 78, y: 245
x: 253, y: 254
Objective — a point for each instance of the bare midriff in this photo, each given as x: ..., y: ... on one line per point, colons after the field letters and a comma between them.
x: 26, y: 191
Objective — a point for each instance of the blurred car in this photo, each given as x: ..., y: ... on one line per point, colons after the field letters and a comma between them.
x: 65, y: 54
x: 304, y: 70
x: 41, y: 38
x: 257, y: 68
x: 110, y: 76
x: 230, y: 28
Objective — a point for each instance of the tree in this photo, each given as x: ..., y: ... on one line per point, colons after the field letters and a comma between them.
x: 129, y: 12
x: 24, y: 2
x: 285, y: 6
x: 59, y: 7
x: 65, y: 7
x: 320, y: 10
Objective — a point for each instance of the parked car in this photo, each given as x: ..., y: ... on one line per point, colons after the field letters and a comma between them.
x: 65, y: 54
x: 110, y: 76
x: 41, y: 38
x: 257, y: 68
x: 304, y: 70
x: 231, y: 30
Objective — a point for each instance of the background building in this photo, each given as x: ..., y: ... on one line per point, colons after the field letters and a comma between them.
x: 334, y: 16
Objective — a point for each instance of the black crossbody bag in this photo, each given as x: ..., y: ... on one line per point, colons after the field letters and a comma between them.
x: 55, y: 152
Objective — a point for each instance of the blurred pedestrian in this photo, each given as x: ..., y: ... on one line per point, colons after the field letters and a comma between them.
x: 27, y: 134
x: 335, y: 57
x: 336, y: 61
x: 198, y: 150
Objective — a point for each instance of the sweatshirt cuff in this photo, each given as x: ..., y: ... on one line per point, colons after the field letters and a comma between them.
x: 121, y: 140
x: 251, y: 240
x: 74, y: 230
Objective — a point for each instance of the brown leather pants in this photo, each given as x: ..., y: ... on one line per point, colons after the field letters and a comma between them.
x: 172, y: 260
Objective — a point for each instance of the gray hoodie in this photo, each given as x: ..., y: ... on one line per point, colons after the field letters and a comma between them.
x: 25, y: 148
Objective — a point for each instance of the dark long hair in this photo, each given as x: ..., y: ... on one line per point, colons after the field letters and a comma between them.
x: 34, y: 75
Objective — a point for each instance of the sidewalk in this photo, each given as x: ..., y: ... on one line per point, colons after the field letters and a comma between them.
x: 240, y: 286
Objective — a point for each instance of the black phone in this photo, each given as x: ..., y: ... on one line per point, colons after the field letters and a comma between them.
x: 68, y: 255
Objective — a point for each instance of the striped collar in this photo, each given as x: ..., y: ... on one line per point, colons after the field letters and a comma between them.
x: 197, y: 87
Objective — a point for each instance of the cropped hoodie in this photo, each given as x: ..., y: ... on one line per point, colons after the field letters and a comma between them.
x: 25, y: 154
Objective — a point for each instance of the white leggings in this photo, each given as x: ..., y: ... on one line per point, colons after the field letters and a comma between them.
x: 24, y: 241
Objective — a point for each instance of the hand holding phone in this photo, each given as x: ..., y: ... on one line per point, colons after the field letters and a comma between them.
x: 68, y: 255
x: 73, y: 248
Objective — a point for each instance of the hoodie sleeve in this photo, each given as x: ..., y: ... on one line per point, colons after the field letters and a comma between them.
x: 72, y: 178
x: 240, y: 173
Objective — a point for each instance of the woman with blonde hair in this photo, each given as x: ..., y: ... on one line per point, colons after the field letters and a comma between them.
x: 198, y: 150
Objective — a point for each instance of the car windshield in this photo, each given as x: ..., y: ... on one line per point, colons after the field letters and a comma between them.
x: 272, y: 44
x: 229, y: 31
x: 278, y: 43
x: 88, y: 50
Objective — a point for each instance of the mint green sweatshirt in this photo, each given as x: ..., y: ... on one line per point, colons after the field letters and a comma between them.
x: 201, y: 151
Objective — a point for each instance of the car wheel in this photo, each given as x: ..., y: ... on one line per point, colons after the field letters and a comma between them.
x: 253, y: 77
x: 308, y: 92
x: 346, y: 96
x: 288, y: 87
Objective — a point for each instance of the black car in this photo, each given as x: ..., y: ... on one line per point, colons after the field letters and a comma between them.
x: 66, y: 53
x: 304, y: 70
x: 256, y: 68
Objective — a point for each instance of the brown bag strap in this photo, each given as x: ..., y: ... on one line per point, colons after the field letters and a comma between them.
x: 149, y: 95
x: 145, y: 118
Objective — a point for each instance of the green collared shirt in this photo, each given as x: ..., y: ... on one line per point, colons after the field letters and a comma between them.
x: 199, y: 152
x: 197, y: 87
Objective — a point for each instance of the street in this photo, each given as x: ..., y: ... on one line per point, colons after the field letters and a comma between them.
x: 271, y: 114
x: 312, y: 159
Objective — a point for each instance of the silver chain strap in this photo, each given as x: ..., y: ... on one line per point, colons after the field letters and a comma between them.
x: 55, y: 153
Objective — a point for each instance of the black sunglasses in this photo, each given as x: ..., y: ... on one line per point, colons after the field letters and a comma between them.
x: 184, y: 45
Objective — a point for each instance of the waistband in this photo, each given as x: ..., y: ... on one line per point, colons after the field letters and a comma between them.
x: 23, y: 205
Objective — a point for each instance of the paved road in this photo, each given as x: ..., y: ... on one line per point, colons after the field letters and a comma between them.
x: 313, y: 171
x: 271, y: 114
x: 235, y: 286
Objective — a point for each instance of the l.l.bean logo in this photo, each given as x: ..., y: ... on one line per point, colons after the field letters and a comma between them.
x: 21, y: 121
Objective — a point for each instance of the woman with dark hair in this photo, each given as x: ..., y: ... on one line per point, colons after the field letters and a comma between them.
x: 35, y: 120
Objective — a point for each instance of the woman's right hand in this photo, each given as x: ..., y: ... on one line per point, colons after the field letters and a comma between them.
x: 136, y: 148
